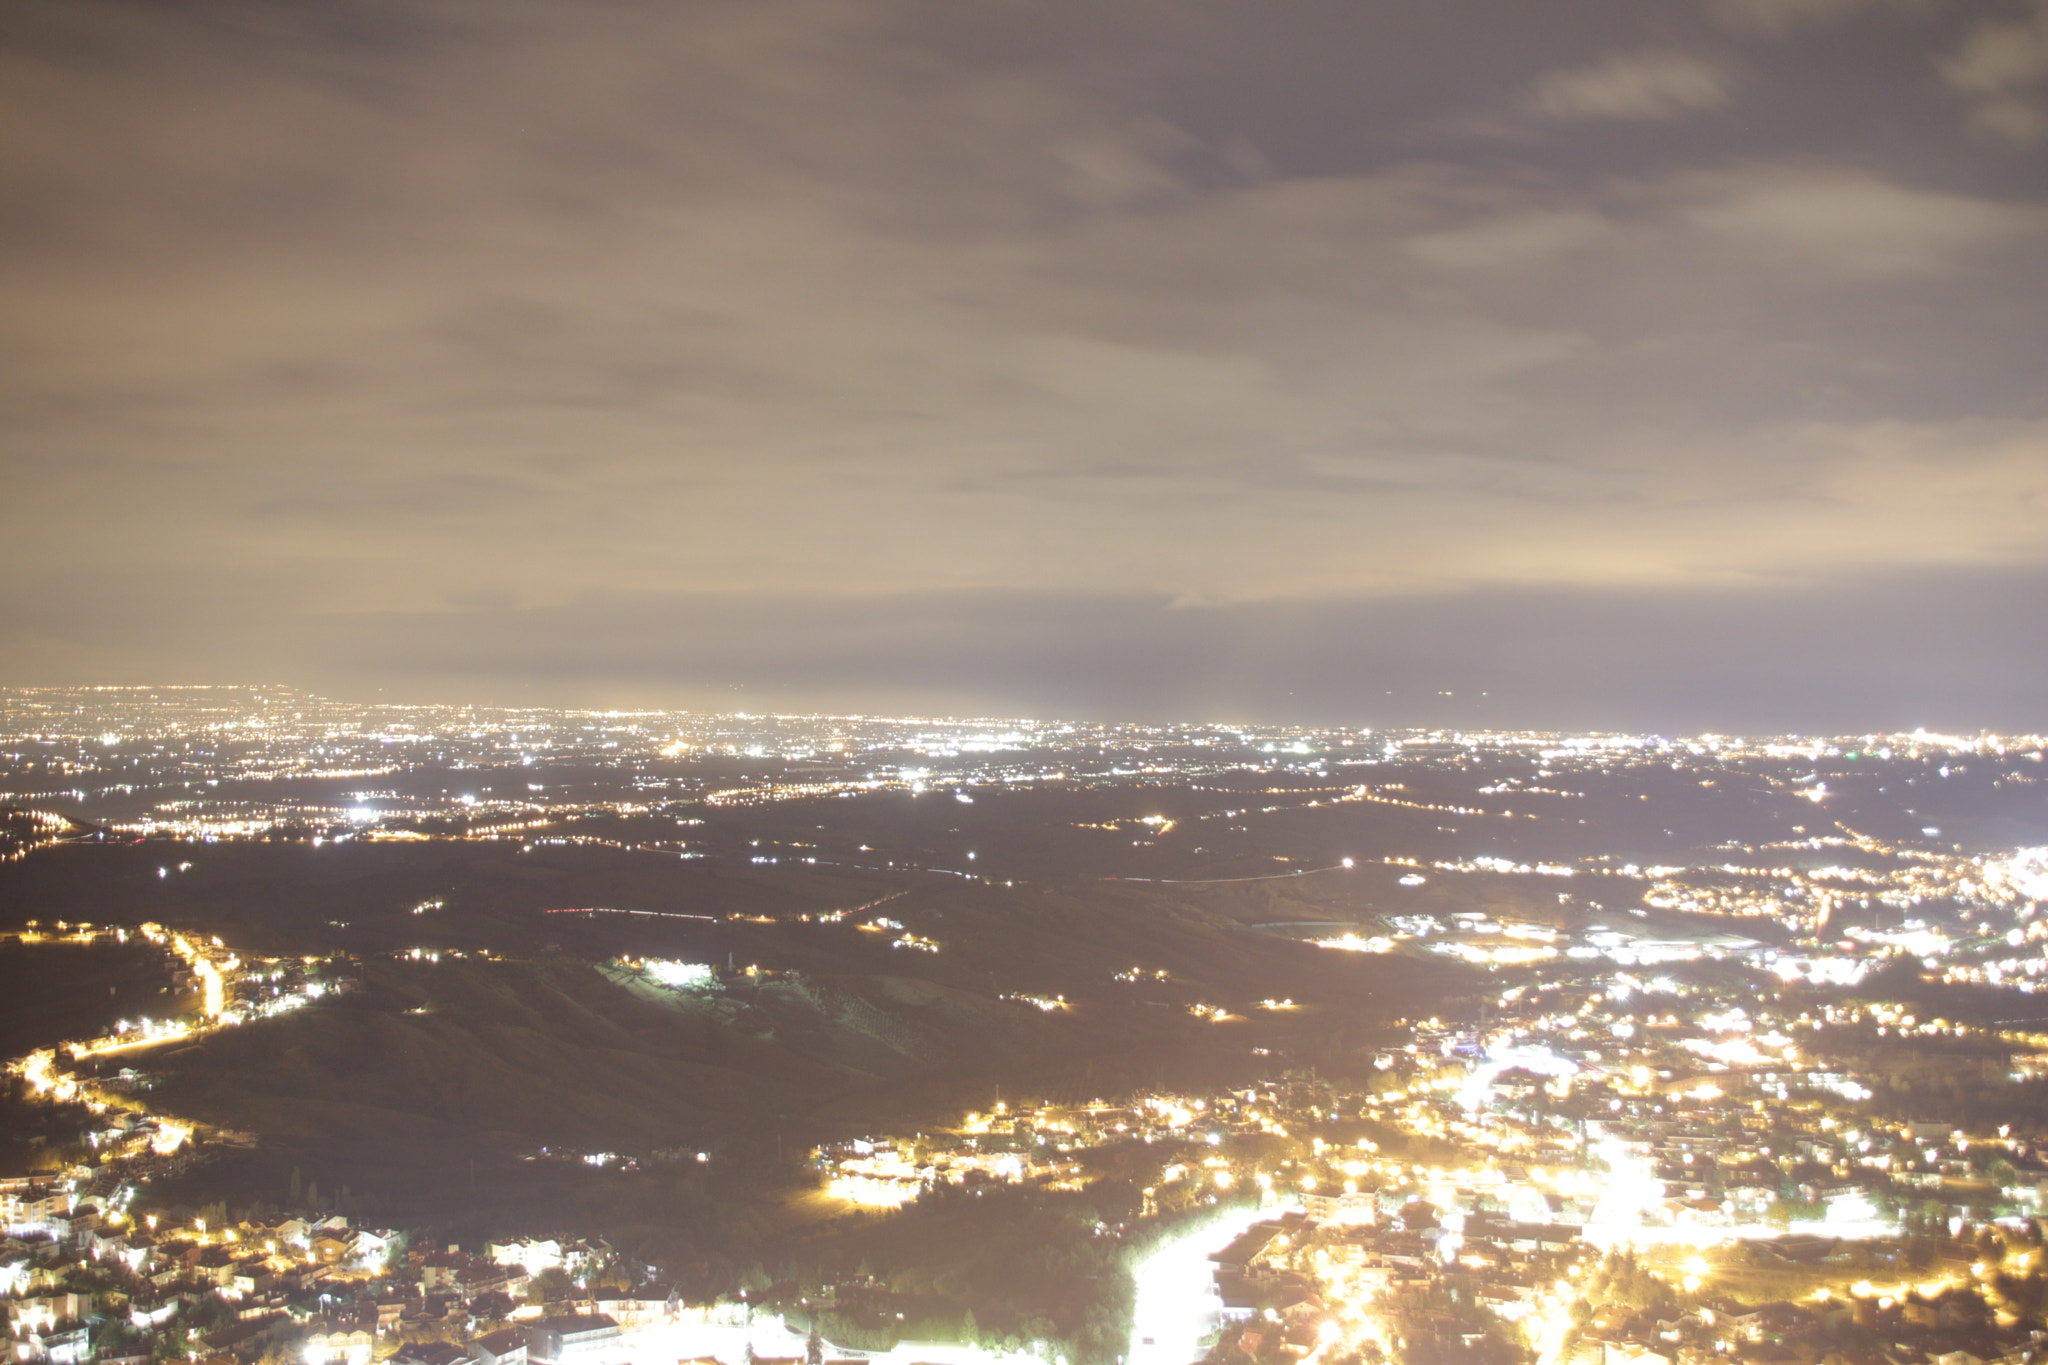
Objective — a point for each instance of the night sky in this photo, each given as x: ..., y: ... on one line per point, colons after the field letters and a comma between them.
x: 1670, y: 364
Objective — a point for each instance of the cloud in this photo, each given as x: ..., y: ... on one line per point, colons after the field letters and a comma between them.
x: 1201, y: 397
x: 1775, y: 17
x: 1639, y: 85
x: 2000, y: 67
x: 1511, y: 240
x: 318, y: 320
x: 1841, y: 221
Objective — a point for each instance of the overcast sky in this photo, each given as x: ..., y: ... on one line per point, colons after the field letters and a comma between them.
x: 1637, y: 363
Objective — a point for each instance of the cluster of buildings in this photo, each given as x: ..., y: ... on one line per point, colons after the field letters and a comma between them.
x: 1027, y: 1144
x: 79, y: 1283
x: 85, y: 1280
x: 1487, y: 1181
x: 1499, y: 1184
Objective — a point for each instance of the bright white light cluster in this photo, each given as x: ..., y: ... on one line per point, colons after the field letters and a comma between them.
x: 682, y: 975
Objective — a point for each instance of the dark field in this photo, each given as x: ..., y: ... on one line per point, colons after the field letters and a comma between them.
x: 53, y: 991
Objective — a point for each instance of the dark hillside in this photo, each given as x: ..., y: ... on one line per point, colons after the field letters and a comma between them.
x: 486, y: 1056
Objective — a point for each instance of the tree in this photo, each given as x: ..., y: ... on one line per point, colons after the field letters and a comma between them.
x: 814, y: 1349
x: 551, y: 1284
x: 970, y: 1330
x: 298, y: 1188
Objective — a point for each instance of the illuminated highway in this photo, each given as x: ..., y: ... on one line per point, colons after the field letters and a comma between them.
x: 1176, y: 1299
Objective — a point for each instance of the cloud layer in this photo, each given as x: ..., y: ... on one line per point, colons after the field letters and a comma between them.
x: 1642, y: 85
x: 322, y: 321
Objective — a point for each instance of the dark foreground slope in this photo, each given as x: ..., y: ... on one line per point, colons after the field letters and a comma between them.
x: 481, y: 1058
x: 830, y: 1033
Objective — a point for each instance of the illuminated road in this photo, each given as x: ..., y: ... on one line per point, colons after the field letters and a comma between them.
x: 1176, y: 1303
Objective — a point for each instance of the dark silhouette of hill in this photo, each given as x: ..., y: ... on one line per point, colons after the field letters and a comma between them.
x: 426, y: 1077
x: 485, y: 1056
